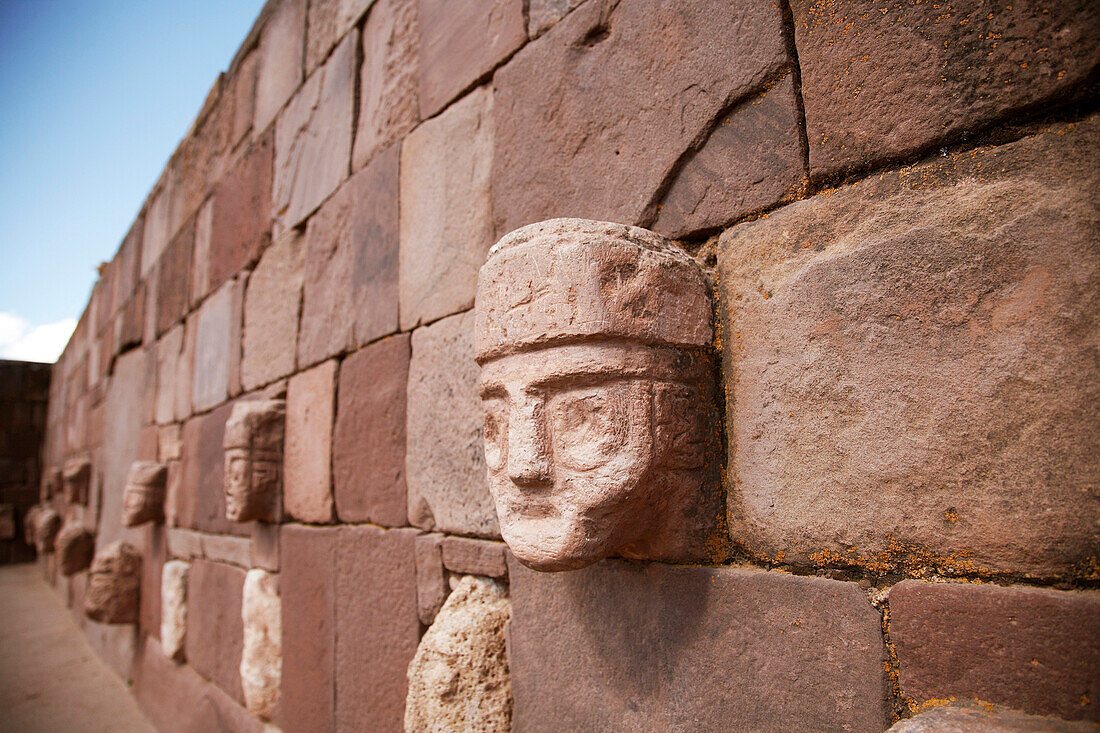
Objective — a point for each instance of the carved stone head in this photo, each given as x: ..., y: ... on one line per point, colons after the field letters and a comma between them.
x: 47, y: 523
x: 143, y: 498
x: 52, y: 483
x: 76, y: 477
x: 595, y: 346
x: 75, y: 547
x: 30, y: 525
x: 114, y: 585
x: 254, y: 460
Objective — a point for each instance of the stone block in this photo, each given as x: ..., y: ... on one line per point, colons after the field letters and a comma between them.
x: 388, y: 107
x: 622, y: 647
x: 431, y: 579
x: 307, y: 474
x: 240, y: 213
x: 131, y: 324
x: 328, y: 21
x: 445, y: 470
x: 1035, y: 649
x: 751, y: 160
x: 215, y: 632
x: 157, y: 226
x: 377, y: 628
x: 75, y: 545
x: 461, y: 42
x: 351, y: 243
x: 168, y: 351
x: 183, y: 543
x: 262, y: 657
x: 475, y: 557
x: 271, y: 308
x: 307, y: 584
x: 981, y: 719
x: 217, y: 346
x: 152, y: 568
x: 198, y: 498
x: 446, y: 214
x: 123, y: 419
x: 313, y: 137
x: 904, y: 368
x: 114, y: 585
x: 128, y: 263
x: 169, y: 445
x: 885, y: 82
x: 628, y: 89
x: 264, y: 552
x: 173, y: 279
x: 368, y: 442
x: 115, y: 644
x: 185, y: 368
x: 279, y: 62
x: 200, y: 262
x: 173, y: 608
x: 541, y: 14
x: 228, y: 549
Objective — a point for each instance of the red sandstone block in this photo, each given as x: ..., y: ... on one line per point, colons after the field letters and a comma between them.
x: 152, y: 563
x: 621, y: 646
x: 131, y: 324
x: 173, y: 279
x: 199, y: 497
x: 328, y: 21
x: 542, y: 14
x: 1033, y: 649
x: 279, y: 59
x: 217, y: 346
x: 215, y: 632
x: 264, y: 552
x: 377, y: 629
x: 271, y: 309
x: 240, y: 225
x: 128, y: 263
x: 307, y: 458
x: 475, y: 557
x: 368, y: 443
x: 431, y: 579
x: 123, y: 422
x: 307, y: 586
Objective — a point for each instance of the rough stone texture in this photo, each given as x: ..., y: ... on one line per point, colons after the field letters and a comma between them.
x: 217, y: 345
x: 446, y: 214
x: 431, y: 580
x: 157, y: 227
x: 307, y: 584
x: 350, y: 292
x: 261, y: 658
x: 279, y: 63
x: 197, y: 499
x: 377, y: 628
x: 1034, y: 649
x: 475, y: 557
x: 751, y: 160
x: 914, y: 346
x: 75, y: 547
x: 885, y: 80
x: 185, y: 369
x: 132, y: 322
x: 271, y: 308
x: 173, y: 279
x: 154, y: 555
x: 122, y: 426
x: 183, y: 543
x: 328, y: 21
x: 541, y: 14
x: 240, y: 216
x: 173, y: 608
x: 169, y: 443
x: 47, y: 524
x: 253, y: 443
x: 215, y: 633
x: 307, y: 474
x: 368, y: 442
x: 953, y: 719
x: 388, y: 78
x: 445, y: 461
x: 459, y: 678
x: 653, y: 647
x: 227, y: 549
x: 313, y: 137
x: 143, y: 496
x: 114, y: 585
x: 168, y: 371
x: 618, y: 92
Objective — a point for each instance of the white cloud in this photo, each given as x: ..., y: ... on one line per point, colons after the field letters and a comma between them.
x: 20, y: 340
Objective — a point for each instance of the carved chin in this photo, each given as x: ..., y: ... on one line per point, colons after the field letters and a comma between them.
x: 552, y: 544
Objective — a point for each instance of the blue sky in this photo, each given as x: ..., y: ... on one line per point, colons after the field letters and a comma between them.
x: 95, y: 98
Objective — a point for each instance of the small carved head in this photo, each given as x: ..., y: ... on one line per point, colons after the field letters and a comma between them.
x: 595, y: 346
x: 76, y: 477
x: 47, y: 523
x: 253, y: 460
x: 75, y: 547
x: 143, y: 499
x: 114, y: 584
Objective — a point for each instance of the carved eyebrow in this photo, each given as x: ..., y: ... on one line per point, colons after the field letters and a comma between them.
x: 576, y: 380
x: 490, y: 390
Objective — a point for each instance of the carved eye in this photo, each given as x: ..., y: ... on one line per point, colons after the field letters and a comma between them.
x: 589, y: 426
x: 496, y: 434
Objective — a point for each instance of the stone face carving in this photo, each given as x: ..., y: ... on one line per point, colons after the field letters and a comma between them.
x: 47, y: 523
x: 76, y: 478
x: 75, y: 547
x: 595, y: 346
x: 173, y: 608
x: 114, y: 584
x: 254, y: 460
x: 143, y: 499
x: 262, y: 656
x: 459, y: 678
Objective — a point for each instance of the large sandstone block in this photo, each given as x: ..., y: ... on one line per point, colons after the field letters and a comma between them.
x: 377, y: 628
x: 624, y: 647
x: 351, y: 244
x: 460, y: 42
x: 978, y: 718
x: 1033, y: 649
x: 313, y: 137
x: 173, y: 607
x: 328, y: 21
x: 168, y: 350
x: 261, y: 657
x: 881, y: 81
x: 368, y: 442
x: 593, y: 118
x: 271, y: 306
x: 217, y: 346
x: 445, y: 471
x: 908, y: 381
x: 446, y: 214
x: 541, y: 14
x: 240, y: 213
x: 307, y: 452
x: 173, y: 283
x: 123, y: 419
x: 215, y: 632
x: 197, y: 499
x: 279, y: 63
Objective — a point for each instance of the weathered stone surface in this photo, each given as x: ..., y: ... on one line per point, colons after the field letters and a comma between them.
x: 76, y: 477
x: 124, y: 416
x: 169, y: 445
x: 313, y: 137
x: 624, y: 647
x: 751, y: 160
x: 431, y: 580
x: 882, y: 81
x: 475, y: 557
x: 279, y: 62
x: 388, y: 78
x: 328, y: 21
x: 1034, y: 649
x: 253, y: 444
x: 377, y: 628
x: 131, y: 324
x: 953, y: 719
x: 368, y: 442
x: 600, y: 99
x: 183, y: 543
x: 912, y: 346
x: 185, y: 368
x: 47, y: 524
x: 462, y: 41
x: 173, y: 608
x: 307, y: 583
x: 153, y: 557
x: 197, y: 499
x: 200, y: 262
x: 227, y: 549
x: 240, y: 215
x: 541, y: 14
x: 261, y: 658
x: 217, y: 345
x: 173, y: 279
x: 459, y: 678
x: 157, y: 226
x: 75, y: 547
x: 114, y: 584
x: 444, y: 460
x: 264, y: 549
x: 271, y: 308
x: 446, y: 214
x: 350, y: 292
x: 143, y: 496
x: 215, y: 633
x: 307, y: 474
x: 168, y: 350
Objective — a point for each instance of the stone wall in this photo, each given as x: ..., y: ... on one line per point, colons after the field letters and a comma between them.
x: 897, y: 203
x: 24, y: 389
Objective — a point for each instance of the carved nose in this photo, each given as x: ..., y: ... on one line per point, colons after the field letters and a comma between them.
x: 528, y: 452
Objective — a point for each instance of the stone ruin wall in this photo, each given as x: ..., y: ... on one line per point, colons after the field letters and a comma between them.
x: 897, y: 203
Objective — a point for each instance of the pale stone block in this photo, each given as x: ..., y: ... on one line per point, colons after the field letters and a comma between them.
x: 279, y: 66
x: 261, y: 658
x: 173, y: 608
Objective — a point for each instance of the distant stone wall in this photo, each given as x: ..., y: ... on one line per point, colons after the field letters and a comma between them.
x: 24, y: 389
x: 897, y: 204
